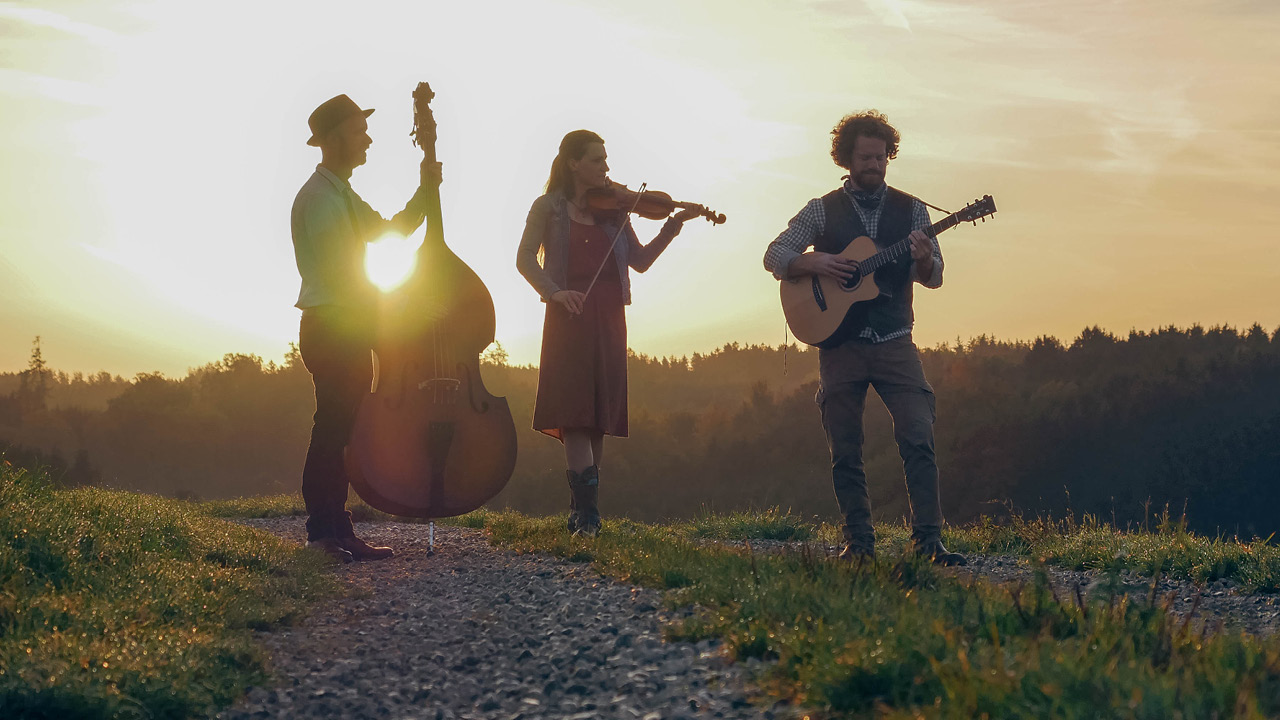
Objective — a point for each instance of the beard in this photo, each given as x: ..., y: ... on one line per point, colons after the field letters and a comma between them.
x: 868, y: 179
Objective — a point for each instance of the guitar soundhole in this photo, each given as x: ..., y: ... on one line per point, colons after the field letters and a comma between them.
x: 852, y: 283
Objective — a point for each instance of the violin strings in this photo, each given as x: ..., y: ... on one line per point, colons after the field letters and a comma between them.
x: 622, y: 226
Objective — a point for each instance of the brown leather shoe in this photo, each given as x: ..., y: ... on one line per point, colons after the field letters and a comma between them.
x: 332, y: 548
x: 361, y: 550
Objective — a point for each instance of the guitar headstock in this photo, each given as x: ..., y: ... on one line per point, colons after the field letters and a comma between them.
x: 978, y: 209
x: 424, y: 122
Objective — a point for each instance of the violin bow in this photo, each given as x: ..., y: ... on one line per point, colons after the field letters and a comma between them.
x: 626, y: 218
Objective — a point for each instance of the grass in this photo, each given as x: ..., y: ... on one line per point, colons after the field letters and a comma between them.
x: 769, y: 524
x: 121, y: 605
x: 1170, y: 550
x: 1092, y: 545
x: 902, y: 640
x: 291, y: 505
x: 118, y: 605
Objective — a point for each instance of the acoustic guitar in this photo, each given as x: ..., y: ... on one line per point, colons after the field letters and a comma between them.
x: 816, y: 306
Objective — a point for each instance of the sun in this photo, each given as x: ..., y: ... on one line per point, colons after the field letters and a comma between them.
x: 390, y: 260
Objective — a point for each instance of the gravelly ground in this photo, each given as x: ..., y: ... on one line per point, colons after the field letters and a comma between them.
x: 479, y: 632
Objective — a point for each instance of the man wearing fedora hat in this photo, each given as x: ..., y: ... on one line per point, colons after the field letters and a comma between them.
x: 331, y: 225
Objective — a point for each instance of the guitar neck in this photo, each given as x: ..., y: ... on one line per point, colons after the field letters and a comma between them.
x: 903, y: 246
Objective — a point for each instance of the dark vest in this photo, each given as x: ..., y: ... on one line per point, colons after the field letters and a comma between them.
x: 890, y: 311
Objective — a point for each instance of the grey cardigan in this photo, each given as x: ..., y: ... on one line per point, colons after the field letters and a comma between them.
x: 547, y: 229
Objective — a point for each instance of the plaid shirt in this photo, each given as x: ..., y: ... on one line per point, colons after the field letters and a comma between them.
x: 809, y: 223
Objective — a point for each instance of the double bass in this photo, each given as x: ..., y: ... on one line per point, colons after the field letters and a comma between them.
x: 429, y: 440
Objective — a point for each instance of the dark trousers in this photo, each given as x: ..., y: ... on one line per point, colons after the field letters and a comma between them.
x: 893, y: 368
x: 335, y: 344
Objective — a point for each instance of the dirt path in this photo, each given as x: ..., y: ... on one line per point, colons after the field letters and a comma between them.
x: 479, y: 632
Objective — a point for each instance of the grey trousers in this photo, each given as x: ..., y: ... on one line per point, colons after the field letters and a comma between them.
x: 893, y: 368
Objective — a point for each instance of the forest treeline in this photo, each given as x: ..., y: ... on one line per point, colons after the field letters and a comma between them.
x: 1119, y: 427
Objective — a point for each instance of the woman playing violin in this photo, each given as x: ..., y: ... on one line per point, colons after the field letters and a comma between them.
x: 569, y: 255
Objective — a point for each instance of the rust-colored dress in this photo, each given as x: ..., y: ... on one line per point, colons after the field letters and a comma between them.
x: 582, y: 376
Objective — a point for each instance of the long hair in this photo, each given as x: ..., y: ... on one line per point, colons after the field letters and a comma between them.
x: 572, y: 147
x: 872, y: 124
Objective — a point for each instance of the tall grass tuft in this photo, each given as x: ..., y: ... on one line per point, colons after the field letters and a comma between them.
x: 1169, y: 549
x: 769, y: 524
x: 117, y: 605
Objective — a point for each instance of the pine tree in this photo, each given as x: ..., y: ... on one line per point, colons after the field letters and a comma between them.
x: 33, y: 388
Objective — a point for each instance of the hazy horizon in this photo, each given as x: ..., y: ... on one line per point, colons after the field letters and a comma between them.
x: 53, y: 365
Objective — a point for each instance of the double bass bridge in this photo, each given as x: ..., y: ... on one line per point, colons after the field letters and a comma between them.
x: 443, y: 390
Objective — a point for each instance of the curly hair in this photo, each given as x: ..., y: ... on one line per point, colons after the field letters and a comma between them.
x: 872, y: 124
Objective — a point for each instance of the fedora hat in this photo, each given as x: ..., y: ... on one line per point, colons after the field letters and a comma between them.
x: 332, y: 113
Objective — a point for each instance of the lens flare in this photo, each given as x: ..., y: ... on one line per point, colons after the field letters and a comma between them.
x: 389, y: 261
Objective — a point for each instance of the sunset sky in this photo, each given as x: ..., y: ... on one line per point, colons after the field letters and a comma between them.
x: 151, y: 151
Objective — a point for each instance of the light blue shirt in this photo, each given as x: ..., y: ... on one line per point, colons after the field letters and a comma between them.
x: 331, y: 225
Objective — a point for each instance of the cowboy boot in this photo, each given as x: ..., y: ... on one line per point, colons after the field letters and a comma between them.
x: 585, y: 489
x: 575, y: 517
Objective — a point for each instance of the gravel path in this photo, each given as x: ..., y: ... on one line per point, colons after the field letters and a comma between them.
x: 479, y: 632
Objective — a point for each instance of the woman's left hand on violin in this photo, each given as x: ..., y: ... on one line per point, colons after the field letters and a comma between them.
x: 689, y: 212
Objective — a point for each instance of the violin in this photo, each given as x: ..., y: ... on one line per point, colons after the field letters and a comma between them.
x: 651, y: 204
x: 429, y: 440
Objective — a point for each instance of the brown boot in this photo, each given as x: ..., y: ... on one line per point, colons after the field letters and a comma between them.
x: 331, y: 547
x: 361, y: 550
x: 575, y: 517
x: 585, y: 487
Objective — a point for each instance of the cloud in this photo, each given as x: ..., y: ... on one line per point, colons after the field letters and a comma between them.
x: 37, y: 17
x: 1144, y: 129
x: 20, y: 83
x: 889, y: 12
